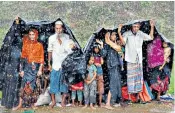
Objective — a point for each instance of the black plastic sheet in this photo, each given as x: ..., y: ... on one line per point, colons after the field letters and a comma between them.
x: 145, y: 27
x: 18, y: 30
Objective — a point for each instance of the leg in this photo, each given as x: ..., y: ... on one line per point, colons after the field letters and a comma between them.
x: 158, y: 96
x: 19, y: 105
x: 63, y: 102
x: 86, y: 95
x: 73, y: 98
x: 92, y: 93
x: 108, y: 105
x: 53, y: 100
x: 100, y: 99
x: 80, y: 96
x: 91, y: 106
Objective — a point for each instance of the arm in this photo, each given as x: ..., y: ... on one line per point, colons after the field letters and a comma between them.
x: 50, y: 49
x: 112, y: 44
x: 102, y: 61
x: 152, y: 29
x: 49, y: 60
x: 94, y: 77
x: 166, y: 59
x: 103, y: 49
x: 41, y: 60
x: 120, y: 35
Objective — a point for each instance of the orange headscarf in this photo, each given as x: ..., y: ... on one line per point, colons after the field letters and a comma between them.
x: 32, y: 50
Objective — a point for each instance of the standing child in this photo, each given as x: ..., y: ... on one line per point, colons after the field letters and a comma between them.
x: 90, y: 84
x: 121, y: 53
x: 98, y: 61
x: 77, y: 89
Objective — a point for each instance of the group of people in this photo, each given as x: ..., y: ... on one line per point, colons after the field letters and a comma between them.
x: 128, y: 48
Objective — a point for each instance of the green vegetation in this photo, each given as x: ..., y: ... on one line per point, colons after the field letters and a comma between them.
x: 84, y: 18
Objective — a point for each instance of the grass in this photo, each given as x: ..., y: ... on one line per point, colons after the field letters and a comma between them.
x: 171, y: 86
x: 0, y: 94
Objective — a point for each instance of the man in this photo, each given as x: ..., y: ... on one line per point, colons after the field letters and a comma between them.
x: 59, y: 46
x: 133, y: 41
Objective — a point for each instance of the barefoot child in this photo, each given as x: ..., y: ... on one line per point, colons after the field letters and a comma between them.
x: 90, y: 84
x: 98, y: 61
x: 77, y: 89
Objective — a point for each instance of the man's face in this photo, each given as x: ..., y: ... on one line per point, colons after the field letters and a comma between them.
x: 135, y: 27
x: 31, y: 35
x: 113, y: 36
x: 58, y: 29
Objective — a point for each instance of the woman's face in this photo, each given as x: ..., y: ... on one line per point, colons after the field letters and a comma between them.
x: 91, y: 60
x: 113, y: 36
x: 31, y: 35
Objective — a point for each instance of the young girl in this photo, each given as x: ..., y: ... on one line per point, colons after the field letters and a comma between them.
x: 90, y: 84
x: 98, y: 61
x: 121, y: 53
x: 77, y: 89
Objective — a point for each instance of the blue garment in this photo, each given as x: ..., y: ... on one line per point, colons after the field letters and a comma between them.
x: 91, y: 70
x: 99, y: 71
x: 56, y: 84
x: 111, y: 55
x: 30, y: 74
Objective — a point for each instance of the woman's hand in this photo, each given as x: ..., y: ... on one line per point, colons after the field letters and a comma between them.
x: 107, y: 38
x: 152, y: 23
x: 39, y: 73
x: 119, y: 28
x: 21, y: 73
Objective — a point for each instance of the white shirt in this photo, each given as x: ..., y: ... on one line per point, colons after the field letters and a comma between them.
x: 59, y: 52
x: 133, y: 45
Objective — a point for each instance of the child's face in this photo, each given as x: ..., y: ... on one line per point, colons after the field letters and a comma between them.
x: 91, y: 61
x: 165, y: 44
x: 119, y: 42
x: 96, y: 49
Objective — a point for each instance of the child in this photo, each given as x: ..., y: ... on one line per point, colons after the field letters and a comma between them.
x: 98, y: 61
x: 163, y: 80
x: 90, y: 84
x: 77, y: 88
x: 121, y: 53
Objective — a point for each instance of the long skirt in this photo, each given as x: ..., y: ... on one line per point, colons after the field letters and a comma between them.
x: 159, y: 81
x: 134, y: 77
x: 29, y: 79
x: 115, y: 83
x: 10, y: 92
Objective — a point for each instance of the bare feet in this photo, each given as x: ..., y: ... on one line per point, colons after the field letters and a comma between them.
x: 52, y: 105
x: 63, y: 105
x: 80, y: 105
x: 92, y: 107
x: 108, y: 107
x: 73, y: 105
x: 34, y: 107
x: 85, y: 107
x: 16, y: 108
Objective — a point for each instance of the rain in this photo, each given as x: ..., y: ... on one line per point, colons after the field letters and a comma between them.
x: 84, y: 22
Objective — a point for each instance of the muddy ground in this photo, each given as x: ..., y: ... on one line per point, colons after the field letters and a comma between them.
x: 153, y: 107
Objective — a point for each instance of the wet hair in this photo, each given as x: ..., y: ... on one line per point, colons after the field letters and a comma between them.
x: 91, y: 55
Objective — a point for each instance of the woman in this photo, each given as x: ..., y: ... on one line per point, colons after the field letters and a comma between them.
x: 32, y: 59
x: 158, y: 58
x: 12, y: 81
x: 110, y: 51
